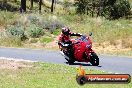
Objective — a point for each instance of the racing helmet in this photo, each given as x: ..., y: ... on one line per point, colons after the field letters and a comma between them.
x: 65, y: 31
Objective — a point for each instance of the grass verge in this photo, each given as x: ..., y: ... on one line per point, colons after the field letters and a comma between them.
x: 44, y: 75
x: 11, y: 42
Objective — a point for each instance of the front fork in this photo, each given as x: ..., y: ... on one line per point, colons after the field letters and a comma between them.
x: 89, y: 53
x: 63, y: 54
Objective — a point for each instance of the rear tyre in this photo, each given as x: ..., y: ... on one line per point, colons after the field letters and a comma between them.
x: 94, y: 59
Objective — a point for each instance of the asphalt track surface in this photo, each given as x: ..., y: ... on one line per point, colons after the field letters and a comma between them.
x: 111, y: 64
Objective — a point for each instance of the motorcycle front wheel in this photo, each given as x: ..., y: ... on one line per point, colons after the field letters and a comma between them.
x: 94, y: 59
x: 70, y: 61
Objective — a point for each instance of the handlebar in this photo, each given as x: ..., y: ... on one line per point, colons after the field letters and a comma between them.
x: 63, y: 45
x: 66, y: 45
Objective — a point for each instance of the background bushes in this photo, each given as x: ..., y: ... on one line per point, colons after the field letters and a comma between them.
x: 120, y: 8
x: 16, y: 31
x: 111, y: 9
x: 34, y: 31
x: 48, y: 22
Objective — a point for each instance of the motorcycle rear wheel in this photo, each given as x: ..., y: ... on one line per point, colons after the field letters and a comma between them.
x: 94, y: 59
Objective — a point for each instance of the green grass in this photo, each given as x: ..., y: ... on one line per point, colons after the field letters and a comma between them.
x: 7, y: 18
x: 57, y: 32
x: 11, y: 42
x: 44, y: 75
x: 33, y: 40
x: 46, y: 39
x: 103, y: 30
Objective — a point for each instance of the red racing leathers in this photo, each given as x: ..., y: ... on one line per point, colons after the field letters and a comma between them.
x: 66, y: 40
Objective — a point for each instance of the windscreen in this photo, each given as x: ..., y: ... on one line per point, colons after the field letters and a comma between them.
x: 83, y: 38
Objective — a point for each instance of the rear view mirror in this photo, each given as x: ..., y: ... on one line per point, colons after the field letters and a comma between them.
x: 90, y: 34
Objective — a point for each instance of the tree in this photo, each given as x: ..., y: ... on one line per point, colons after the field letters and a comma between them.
x: 15, y: 0
x: 40, y: 3
x: 111, y: 9
x: 52, y: 6
x: 31, y: 2
x: 23, y: 6
x: 5, y: 1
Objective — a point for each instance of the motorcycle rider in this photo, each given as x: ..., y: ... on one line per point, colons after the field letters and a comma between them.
x: 64, y: 38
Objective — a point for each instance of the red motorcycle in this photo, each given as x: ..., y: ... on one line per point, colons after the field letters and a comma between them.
x: 82, y: 50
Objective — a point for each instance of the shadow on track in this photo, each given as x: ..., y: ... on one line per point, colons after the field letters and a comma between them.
x: 83, y: 64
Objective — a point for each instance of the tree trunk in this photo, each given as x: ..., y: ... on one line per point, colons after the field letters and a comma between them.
x: 15, y: 0
x: 5, y: 1
x: 23, y: 6
x: 52, y: 6
x: 31, y: 2
x: 40, y: 3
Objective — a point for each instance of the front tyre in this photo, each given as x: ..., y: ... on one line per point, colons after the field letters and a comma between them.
x: 70, y: 61
x: 94, y: 59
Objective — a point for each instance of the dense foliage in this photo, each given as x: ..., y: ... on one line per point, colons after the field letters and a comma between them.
x: 112, y: 9
x: 34, y: 31
x: 16, y: 31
